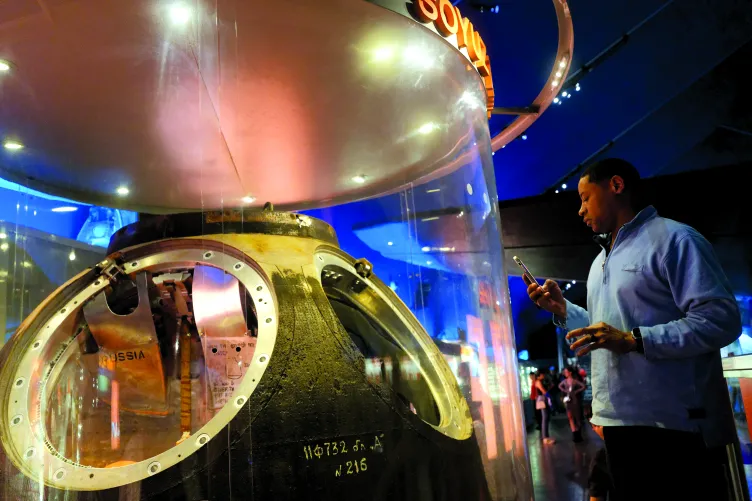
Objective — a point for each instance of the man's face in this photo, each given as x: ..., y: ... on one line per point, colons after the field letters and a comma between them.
x: 597, y: 207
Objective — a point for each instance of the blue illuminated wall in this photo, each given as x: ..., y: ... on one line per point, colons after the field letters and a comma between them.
x: 58, y: 216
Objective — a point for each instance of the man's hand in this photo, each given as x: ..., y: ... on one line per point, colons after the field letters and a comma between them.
x: 548, y: 296
x: 601, y: 335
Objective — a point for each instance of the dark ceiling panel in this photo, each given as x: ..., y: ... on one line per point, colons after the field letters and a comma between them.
x: 661, y: 61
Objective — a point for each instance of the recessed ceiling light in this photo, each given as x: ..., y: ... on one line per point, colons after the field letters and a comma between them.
x: 72, y: 255
x: 249, y: 199
x: 426, y: 249
x: 122, y: 191
x: 180, y: 14
x: 390, y: 243
x: 4, y: 65
x: 359, y: 179
x: 429, y: 263
x: 12, y: 145
x: 65, y: 208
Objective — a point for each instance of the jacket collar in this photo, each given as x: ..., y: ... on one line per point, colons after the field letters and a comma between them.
x: 646, y: 214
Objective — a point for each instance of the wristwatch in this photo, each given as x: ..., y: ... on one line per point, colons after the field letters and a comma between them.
x: 639, y: 347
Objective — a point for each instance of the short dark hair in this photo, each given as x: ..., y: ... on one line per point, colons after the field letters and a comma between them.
x: 604, y: 170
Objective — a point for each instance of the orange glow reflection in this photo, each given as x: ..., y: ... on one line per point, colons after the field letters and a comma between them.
x: 479, y: 383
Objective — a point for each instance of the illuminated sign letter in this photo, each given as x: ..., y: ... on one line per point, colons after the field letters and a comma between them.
x: 426, y: 10
x: 465, y: 33
x: 482, y: 60
x: 449, y: 20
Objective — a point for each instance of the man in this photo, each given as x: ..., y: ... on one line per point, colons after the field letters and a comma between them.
x: 659, y: 310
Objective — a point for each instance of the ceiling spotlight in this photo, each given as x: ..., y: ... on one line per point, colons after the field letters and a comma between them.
x: 556, y: 100
x: 558, y: 74
x: 122, y: 191
x: 12, y: 145
x: 65, y: 208
x: 577, y: 87
x: 390, y: 243
x: 429, y: 263
x: 426, y: 249
x: 469, y: 189
x: 564, y: 94
x: 555, y: 83
x: 574, y: 282
x: 180, y: 14
x: 72, y: 255
x: 359, y: 179
x: 524, y: 137
x: 564, y: 186
x: 563, y: 63
x: 557, y: 191
x: 4, y: 246
x: 4, y: 65
x: 249, y: 199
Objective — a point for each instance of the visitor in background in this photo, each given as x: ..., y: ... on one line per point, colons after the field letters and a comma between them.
x: 533, y: 397
x: 542, y: 402
x: 571, y: 389
x: 659, y: 310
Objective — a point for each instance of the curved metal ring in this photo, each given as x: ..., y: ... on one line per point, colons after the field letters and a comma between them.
x: 553, y: 84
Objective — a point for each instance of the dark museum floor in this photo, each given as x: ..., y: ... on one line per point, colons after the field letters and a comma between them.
x: 560, y: 471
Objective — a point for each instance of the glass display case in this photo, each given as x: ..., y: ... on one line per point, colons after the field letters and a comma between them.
x: 312, y: 302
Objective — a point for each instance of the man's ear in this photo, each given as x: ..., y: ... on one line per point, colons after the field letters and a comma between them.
x: 616, y: 184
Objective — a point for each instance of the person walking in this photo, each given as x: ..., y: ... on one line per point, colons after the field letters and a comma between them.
x: 571, y: 388
x: 659, y: 308
x: 542, y: 403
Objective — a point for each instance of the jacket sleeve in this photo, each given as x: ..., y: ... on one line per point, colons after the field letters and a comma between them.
x: 702, y: 293
x: 577, y: 317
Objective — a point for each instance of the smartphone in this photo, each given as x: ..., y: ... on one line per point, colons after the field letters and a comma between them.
x: 525, y: 271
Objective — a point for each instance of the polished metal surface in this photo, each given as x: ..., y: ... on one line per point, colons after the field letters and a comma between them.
x: 299, y: 103
x: 227, y: 343
x: 129, y: 350
x: 126, y: 427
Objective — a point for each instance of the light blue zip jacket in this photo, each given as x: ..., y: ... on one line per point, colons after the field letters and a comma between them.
x: 663, y: 277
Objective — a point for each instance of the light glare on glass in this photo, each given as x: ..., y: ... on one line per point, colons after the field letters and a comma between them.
x: 123, y: 191
x: 414, y: 56
x: 65, y: 208
x: 383, y: 54
x: 427, y: 128
x: 180, y: 14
